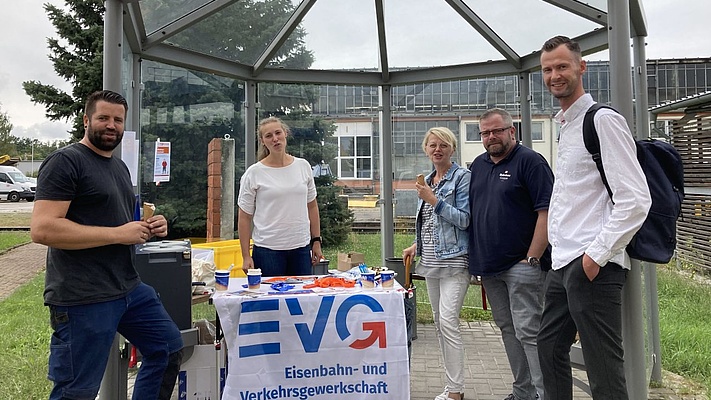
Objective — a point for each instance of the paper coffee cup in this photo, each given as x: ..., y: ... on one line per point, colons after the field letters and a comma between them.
x: 222, y: 279
x: 254, y: 278
x: 387, y: 278
x: 367, y: 280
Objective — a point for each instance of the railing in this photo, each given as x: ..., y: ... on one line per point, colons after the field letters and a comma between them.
x: 402, y: 225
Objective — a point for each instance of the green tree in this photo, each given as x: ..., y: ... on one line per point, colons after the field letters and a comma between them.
x: 336, y: 218
x: 238, y: 33
x: 28, y: 148
x: 7, y: 141
x: 241, y: 32
x: 78, y: 58
x: 23, y: 148
x: 183, y: 200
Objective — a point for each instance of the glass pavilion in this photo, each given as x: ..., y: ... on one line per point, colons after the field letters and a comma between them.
x: 194, y: 70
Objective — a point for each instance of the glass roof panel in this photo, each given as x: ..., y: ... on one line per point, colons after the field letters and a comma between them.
x: 159, y: 13
x: 513, y: 22
x: 422, y: 33
x: 240, y: 32
x: 338, y: 34
x: 342, y: 34
x: 599, y: 4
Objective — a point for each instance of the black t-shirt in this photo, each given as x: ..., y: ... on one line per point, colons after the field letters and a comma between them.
x: 101, y: 194
x: 504, y: 199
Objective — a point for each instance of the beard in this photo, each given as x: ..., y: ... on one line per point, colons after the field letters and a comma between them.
x: 566, y: 91
x: 102, y: 142
x: 497, y: 149
x: 563, y: 93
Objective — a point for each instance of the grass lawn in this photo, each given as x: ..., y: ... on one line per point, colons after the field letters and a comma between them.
x: 15, y: 219
x: 685, y: 331
x: 25, y: 330
x: 24, y: 327
x: 10, y: 239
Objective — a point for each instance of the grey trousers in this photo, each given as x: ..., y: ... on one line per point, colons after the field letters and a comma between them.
x: 516, y: 296
x: 594, y: 309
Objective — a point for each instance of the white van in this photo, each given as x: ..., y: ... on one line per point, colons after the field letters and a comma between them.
x: 14, y: 185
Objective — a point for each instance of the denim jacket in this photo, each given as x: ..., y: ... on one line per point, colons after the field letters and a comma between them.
x: 451, y: 214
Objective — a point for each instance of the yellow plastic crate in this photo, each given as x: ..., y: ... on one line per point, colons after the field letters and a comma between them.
x: 226, y: 252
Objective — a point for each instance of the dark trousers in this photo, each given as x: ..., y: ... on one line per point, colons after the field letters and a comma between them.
x: 283, y: 262
x: 594, y: 309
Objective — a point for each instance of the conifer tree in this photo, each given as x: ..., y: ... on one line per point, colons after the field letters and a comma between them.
x: 7, y: 143
x: 79, y: 61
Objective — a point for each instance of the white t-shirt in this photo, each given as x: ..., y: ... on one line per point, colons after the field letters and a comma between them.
x: 276, y: 197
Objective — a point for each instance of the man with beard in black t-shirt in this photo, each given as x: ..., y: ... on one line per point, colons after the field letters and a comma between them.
x: 84, y: 213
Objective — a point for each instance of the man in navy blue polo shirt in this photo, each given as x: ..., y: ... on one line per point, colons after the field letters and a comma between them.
x: 510, y: 190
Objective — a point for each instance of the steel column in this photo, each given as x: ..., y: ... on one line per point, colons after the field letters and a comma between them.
x: 650, y: 270
x: 621, y: 95
x: 249, y: 116
x: 386, y: 174
x: 524, y: 90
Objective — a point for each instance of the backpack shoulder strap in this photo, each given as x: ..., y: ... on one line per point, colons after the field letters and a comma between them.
x: 592, y: 142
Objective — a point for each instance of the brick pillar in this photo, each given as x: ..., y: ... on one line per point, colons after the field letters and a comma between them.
x: 214, y: 189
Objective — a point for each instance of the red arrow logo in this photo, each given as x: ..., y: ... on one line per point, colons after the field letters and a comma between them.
x: 377, y: 333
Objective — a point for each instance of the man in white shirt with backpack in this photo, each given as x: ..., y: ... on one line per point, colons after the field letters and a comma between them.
x: 588, y: 233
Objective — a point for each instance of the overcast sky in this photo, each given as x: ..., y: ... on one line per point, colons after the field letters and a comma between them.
x: 677, y: 29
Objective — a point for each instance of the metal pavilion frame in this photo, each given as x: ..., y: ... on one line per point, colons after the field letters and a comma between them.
x: 625, y: 19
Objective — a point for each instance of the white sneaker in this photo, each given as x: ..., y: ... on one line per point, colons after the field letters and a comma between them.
x: 444, y: 396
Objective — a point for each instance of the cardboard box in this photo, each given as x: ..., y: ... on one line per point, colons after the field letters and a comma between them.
x: 347, y: 261
x: 197, y: 379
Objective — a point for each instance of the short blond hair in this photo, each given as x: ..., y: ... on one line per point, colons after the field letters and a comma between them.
x: 443, y: 134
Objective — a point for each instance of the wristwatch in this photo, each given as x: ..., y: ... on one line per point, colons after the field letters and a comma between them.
x: 315, y: 239
x: 534, y: 261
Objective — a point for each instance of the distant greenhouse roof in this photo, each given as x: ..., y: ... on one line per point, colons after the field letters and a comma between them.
x: 701, y: 101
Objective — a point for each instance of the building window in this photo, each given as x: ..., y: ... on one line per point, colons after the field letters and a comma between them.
x: 355, y: 157
x: 536, y: 130
x: 472, y: 131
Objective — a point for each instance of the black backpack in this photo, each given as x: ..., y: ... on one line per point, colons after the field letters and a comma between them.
x: 656, y: 240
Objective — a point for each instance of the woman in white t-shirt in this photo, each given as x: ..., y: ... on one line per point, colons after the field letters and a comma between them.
x: 278, y: 209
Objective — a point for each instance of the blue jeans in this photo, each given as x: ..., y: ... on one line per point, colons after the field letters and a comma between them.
x: 83, y: 335
x: 516, y: 299
x: 282, y: 262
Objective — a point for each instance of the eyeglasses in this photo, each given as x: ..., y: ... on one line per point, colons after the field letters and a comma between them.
x: 497, y: 131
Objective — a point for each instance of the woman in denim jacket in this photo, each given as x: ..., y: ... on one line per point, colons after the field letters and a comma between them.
x: 442, y: 244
